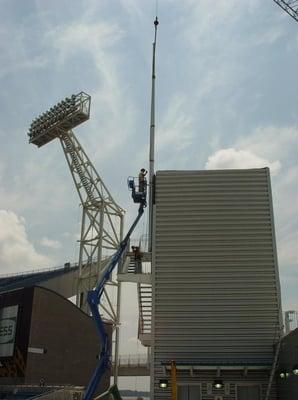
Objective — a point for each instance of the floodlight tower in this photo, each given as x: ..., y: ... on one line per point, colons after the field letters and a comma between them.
x: 290, y: 7
x: 102, y: 218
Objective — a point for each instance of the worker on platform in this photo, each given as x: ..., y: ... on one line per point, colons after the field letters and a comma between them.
x: 137, y: 259
x: 142, y: 180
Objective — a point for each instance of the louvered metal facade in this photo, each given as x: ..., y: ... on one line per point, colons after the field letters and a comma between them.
x: 216, y: 293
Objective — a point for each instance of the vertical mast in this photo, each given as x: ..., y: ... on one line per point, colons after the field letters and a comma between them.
x: 152, y: 141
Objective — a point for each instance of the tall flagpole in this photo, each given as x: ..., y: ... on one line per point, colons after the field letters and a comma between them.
x: 152, y: 140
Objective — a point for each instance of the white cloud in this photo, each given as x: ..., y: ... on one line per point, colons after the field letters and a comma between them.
x: 1, y: 171
x: 16, y: 52
x: 270, y: 146
x: 174, y: 129
x: 51, y: 244
x: 268, y: 36
x: 16, y: 252
x: 134, y: 8
x: 205, y: 19
x: 271, y: 141
x: 98, y: 43
x: 29, y: 190
x: 286, y: 198
x: 83, y: 36
x: 288, y: 254
x: 232, y: 158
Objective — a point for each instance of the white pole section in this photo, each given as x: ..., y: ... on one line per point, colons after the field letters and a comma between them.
x: 152, y: 141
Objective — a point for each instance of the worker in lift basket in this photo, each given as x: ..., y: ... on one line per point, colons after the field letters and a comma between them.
x: 142, y: 180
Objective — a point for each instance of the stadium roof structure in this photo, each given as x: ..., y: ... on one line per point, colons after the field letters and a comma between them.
x: 60, y: 280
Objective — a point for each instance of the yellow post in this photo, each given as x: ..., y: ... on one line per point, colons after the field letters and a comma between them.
x: 174, y: 380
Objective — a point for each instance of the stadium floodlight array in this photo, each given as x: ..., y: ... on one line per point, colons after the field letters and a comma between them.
x: 62, y: 117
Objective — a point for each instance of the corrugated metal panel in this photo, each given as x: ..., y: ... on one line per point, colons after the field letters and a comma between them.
x: 231, y: 381
x: 215, y: 277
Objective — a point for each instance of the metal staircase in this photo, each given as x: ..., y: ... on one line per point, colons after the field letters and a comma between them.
x: 145, y: 313
x: 134, y: 271
x: 132, y: 267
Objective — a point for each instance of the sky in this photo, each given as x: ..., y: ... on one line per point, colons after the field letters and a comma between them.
x: 225, y: 98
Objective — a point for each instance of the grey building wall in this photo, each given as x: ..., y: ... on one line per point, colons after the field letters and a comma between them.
x: 216, y: 292
x: 69, y: 337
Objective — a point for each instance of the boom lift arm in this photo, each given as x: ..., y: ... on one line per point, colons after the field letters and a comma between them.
x: 93, y: 299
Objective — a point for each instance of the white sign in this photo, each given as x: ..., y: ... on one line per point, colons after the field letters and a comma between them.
x: 8, y: 325
x: 7, y: 330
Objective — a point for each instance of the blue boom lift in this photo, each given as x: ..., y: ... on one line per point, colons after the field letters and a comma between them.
x: 94, y: 297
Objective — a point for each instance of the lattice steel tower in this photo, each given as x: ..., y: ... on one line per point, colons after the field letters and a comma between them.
x: 290, y: 6
x: 102, y: 218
